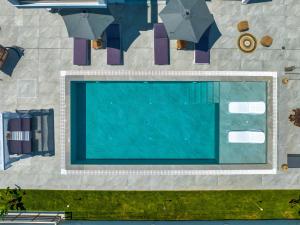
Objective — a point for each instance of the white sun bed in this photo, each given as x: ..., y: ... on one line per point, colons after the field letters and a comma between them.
x: 247, y: 107
x: 245, y: 1
x: 253, y: 137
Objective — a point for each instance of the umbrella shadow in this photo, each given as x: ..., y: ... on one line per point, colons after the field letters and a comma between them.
x: 208, y: 39
x: 133, y: 18
x: 15, y: 53
x: 213, y: 35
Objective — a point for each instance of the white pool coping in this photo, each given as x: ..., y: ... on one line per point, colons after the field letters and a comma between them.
x: 160, y: 74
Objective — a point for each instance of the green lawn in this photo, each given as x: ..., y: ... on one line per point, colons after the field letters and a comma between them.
x: 166, y: 205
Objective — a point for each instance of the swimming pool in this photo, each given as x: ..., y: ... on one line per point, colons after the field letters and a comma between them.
x: 144, y: 122
x: 122, y: 122
x: 225, y: 90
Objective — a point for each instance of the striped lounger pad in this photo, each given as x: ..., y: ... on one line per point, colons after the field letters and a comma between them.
x: 20, y: 135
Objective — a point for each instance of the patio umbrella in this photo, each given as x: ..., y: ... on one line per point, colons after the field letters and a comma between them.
x: 88, y: 24
x: 186, y: 19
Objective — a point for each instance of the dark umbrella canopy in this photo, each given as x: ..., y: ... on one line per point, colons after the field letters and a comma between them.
x: 186, y: 19
x: 88, y: 24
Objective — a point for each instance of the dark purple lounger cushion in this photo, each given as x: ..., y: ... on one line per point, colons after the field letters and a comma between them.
x: 202, y: 56
x: 161, y: 49
x: 14, y: 124
x: 202, y: 52
x: 26, y: 124
x: 14, y: 147
x: 82, y: 52
x: 161, y: 45
x: 114, y: 52
x: 160, y: 31
x: 26, y: 147
x: 114, y: 56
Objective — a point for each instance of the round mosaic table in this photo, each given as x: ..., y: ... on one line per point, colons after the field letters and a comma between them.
x: 247, y: 43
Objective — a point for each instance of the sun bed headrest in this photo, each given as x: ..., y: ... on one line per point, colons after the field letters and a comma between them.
x: 247, y: 107
x: 244, y: 137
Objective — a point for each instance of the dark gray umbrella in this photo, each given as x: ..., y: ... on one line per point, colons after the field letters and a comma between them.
x: 88, y: 24
x: 186, y: 19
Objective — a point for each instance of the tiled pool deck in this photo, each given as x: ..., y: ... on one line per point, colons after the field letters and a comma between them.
x: 48, y: 50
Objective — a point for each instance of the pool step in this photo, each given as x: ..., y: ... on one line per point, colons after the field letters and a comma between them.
x: 204, y: 93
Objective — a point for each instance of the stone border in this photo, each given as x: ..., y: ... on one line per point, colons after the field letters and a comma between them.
x: 269, y: 168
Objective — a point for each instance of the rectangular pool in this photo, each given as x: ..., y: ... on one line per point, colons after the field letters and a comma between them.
x: 144, y: 122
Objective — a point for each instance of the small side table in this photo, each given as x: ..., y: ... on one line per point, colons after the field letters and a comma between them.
x: 266, y: 41
x: 180, y: 44
x: 243, y: 26
x: 247, y: 43
x: 97, y: 44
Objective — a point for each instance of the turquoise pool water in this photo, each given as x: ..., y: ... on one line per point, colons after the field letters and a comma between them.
x: 144, y: 122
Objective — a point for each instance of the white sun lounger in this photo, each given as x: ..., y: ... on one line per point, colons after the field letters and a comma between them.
x: 247, y: 107
x: 245, y: 1
x: 253, y: 137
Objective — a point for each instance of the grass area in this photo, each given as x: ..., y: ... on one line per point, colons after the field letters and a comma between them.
x: 166, y: 205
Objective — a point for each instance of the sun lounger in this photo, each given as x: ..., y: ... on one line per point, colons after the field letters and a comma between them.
x: 161, y: 45
x: 13, y: 142
x: 82, y: 52
x: 18, y: 136
x: 14, y: 146
x: 114, y: 52
x: 293, y: 160
x: 42, y: 130
x: 251, y: 137
x: 26, y: 131
x: 245, y: 1
x: 202, y: 51
x: 247, y: 107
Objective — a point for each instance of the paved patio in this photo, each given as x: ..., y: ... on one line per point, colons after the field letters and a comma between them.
x: 35, y: 84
